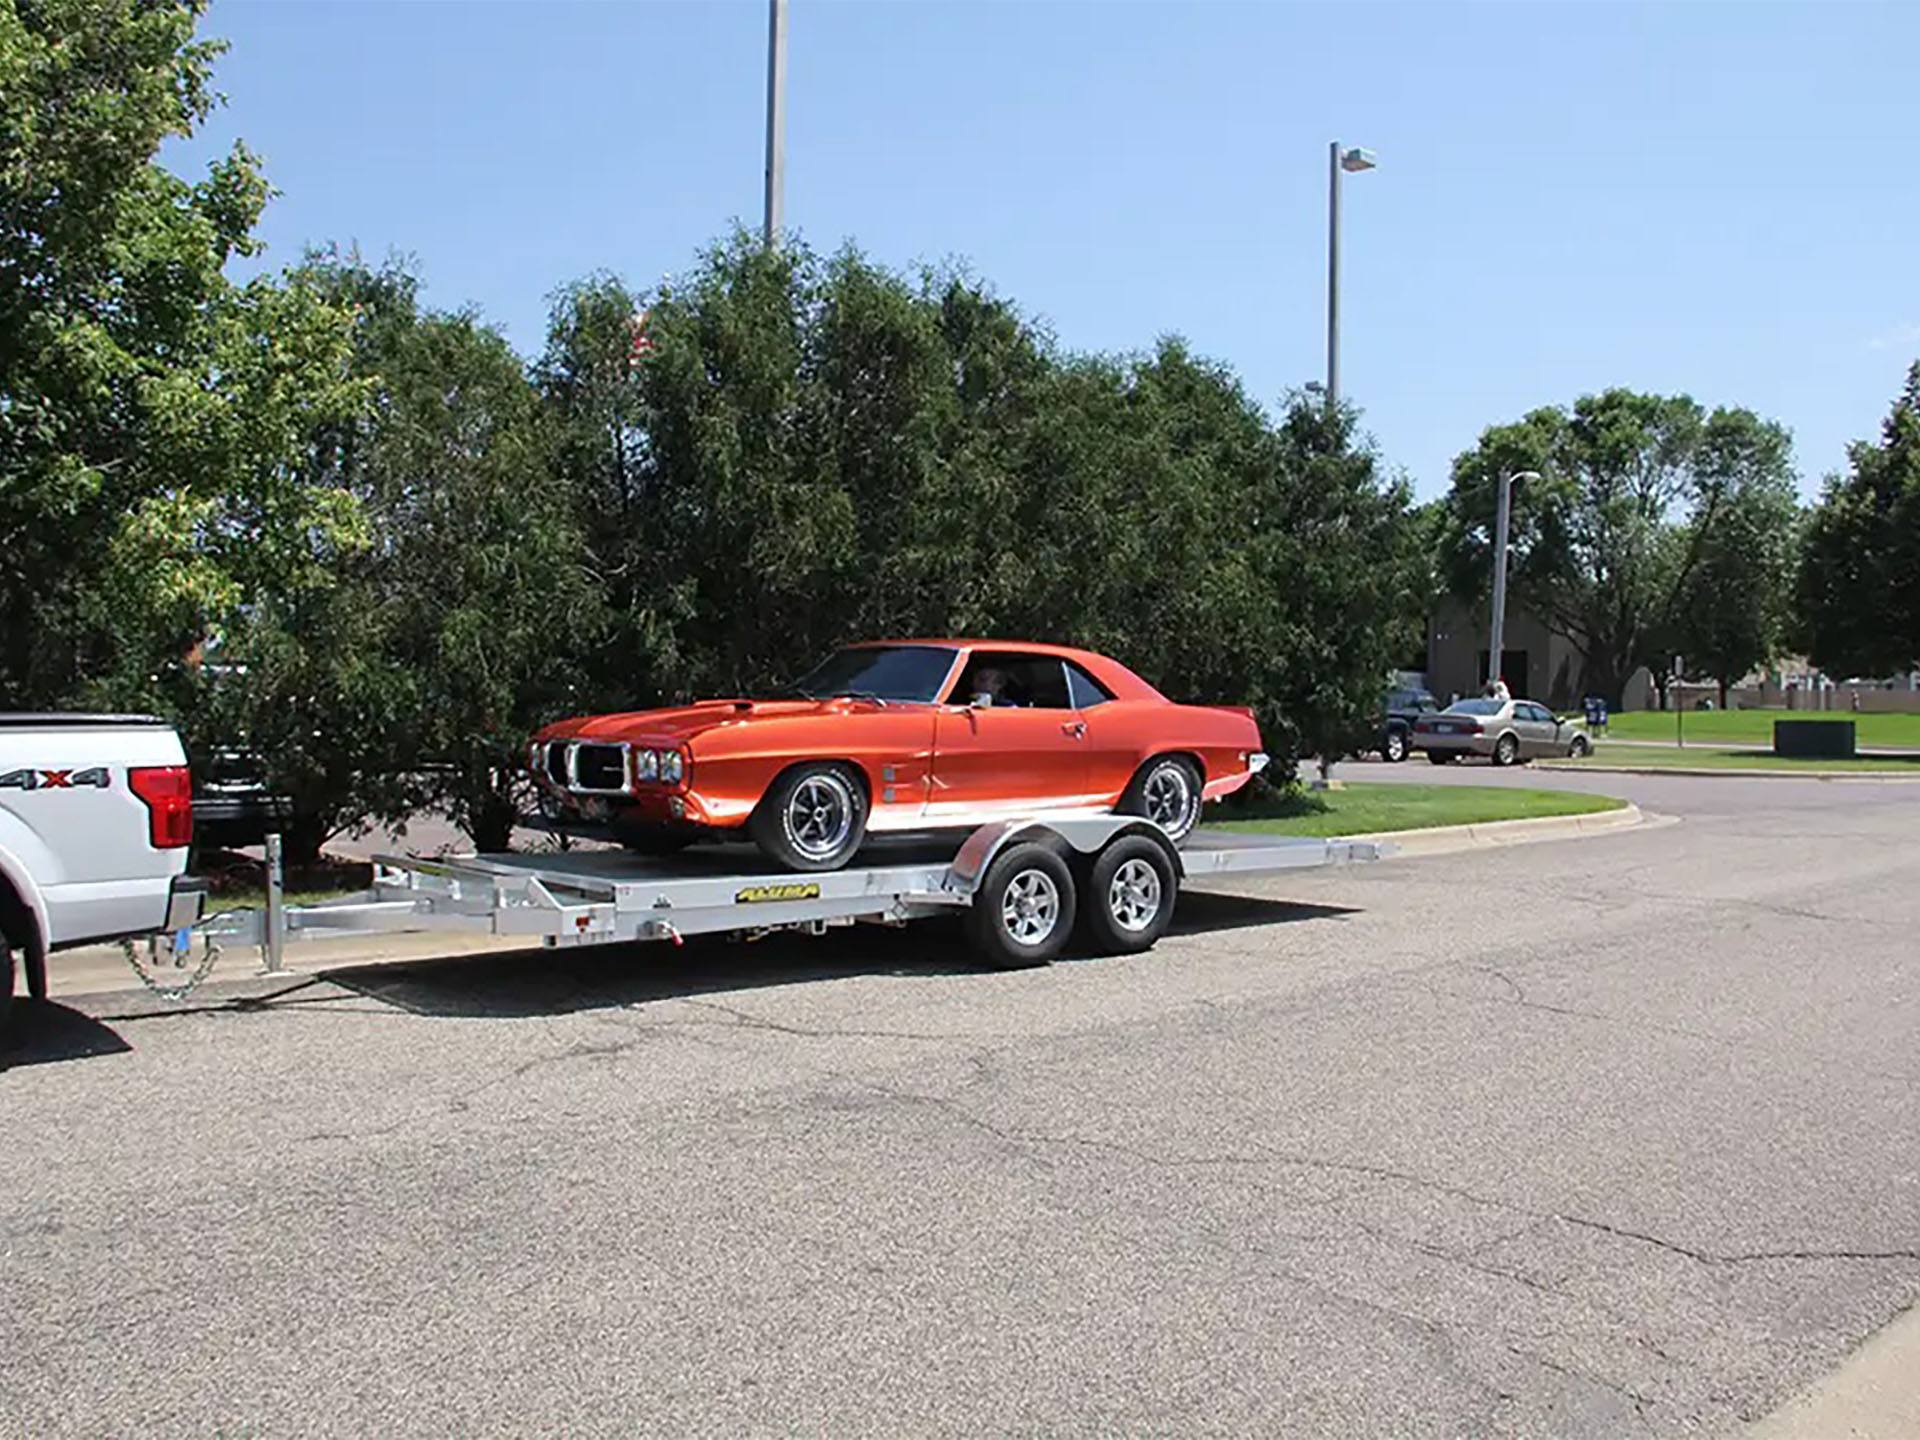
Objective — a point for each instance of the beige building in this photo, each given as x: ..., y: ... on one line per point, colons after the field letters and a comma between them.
x: 1536, y: 663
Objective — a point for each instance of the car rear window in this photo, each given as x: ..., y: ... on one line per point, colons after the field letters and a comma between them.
x: 1476, y: 707
x: 1083, y: 690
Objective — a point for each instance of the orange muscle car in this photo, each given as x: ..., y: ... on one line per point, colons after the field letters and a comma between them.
x: 900, y: 735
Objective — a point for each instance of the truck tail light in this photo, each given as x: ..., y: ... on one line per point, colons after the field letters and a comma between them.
x: 168, y: 793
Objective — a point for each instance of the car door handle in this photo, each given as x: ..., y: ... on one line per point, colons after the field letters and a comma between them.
x: 1076, y: 728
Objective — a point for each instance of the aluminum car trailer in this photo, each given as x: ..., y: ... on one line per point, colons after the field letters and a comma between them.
x: 1025, y: 888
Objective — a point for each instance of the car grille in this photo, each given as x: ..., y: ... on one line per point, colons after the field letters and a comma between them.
x: 600, y: 768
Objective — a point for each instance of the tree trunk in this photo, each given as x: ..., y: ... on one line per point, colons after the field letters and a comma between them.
x: 1723, y: 692
x: 490, y: 820
x: 301, y: 839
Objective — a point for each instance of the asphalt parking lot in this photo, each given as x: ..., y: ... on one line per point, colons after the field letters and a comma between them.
x: 1605, y: 1136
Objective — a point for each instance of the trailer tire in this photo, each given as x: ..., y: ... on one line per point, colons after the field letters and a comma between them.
x: 1128, y: 901
x: 1023, y: 908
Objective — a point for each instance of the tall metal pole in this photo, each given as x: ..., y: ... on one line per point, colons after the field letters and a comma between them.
x: 1333, y: 277
x: 776, y: 120
x: 1502, y: 515
x: 1503, y: 504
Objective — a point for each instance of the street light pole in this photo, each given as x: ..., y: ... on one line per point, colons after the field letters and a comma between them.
x: 1502, y: 510
x: 1338, y: 159
x: 776, y: 120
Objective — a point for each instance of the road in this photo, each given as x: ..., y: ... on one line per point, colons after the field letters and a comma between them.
x: 1599, y: 1137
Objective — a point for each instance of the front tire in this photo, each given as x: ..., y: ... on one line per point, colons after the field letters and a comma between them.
x: 1167, y: 792
x: 1579, y: 747
x: 1023, y: 911
x: 813, y: 818
x: 1129, y: 901
x: 1394, y: 748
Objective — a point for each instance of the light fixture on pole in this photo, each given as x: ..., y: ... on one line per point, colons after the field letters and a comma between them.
x: 776, y: 121
x: 1502, y: 509
x: 1352, y: 161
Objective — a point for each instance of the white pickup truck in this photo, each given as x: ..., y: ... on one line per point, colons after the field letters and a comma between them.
x: 96, y: 813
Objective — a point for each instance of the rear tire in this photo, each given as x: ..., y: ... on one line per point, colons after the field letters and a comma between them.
x: 6, y: 983
x: 1393, y: 749
x: 1167, y: 792
x: 1506, y: 750
x: 813, y: 817
x: 1023, y: 911
x: 1129, y: 901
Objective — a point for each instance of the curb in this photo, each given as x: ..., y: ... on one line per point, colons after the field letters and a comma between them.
x: 1444, y: 839
x: 1731, y: 772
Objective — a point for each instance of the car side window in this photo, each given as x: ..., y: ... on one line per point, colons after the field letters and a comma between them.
x: 1013, y: 680
x: 1539, y: 712
x: 1083, y: 691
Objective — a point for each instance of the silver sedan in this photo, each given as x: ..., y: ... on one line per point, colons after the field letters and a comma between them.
x: 1504, y: 731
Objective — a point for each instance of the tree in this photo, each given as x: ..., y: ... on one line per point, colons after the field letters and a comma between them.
x: 1734, y: 602
x: 151, y: 411
x: 1858, y: 593
x: 1598, y: 553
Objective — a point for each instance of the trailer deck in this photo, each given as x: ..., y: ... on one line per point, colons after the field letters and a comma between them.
x: 589, y: 897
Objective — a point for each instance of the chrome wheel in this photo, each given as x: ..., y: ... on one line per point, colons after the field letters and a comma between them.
x: 1031, y: 907
x: 820, y: 815
x: 1133, y: 897
x: 1168, y: 798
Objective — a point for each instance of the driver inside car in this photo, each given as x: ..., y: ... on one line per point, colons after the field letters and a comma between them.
x: 993, y: 687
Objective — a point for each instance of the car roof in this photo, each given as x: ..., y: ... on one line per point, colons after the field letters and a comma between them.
x: 1109, y: 672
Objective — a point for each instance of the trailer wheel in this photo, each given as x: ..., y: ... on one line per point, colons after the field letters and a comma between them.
x: 1023, y: 910
x: 1129, y: 900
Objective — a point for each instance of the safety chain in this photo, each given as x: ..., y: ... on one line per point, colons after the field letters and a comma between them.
x: 173, y: 993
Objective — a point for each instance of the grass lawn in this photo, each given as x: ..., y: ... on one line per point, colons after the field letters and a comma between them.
x: 1366, y: 808
x: 1755, y: 727
x: 257, y: 899
x: 1708, y: 757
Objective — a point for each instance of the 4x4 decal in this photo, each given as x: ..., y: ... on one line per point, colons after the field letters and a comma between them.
x: 98, y: 778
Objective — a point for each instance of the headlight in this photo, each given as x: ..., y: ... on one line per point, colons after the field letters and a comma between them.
x: 646, y: 764
x: 671, y: 767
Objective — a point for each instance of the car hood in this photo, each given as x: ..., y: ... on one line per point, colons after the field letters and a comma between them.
x: 678, y: 724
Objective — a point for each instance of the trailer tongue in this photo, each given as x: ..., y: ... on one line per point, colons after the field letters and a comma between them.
x: 1022, y: 883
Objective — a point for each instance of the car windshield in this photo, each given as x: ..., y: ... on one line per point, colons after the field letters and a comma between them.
x: 1476, y: 707
x: 878, y: 672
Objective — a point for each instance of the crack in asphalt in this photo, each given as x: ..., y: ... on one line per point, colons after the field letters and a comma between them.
x: 1266, y: 1156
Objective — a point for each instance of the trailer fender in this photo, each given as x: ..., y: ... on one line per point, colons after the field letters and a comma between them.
x: 1078, y: 839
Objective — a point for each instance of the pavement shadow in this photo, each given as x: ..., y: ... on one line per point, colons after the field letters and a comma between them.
x: 45, y: 1031
x: 510, y: 984
x: 521, y: 983
x: 1199, y: 912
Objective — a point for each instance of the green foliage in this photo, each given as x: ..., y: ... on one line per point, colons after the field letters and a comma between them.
x: 1858, y: 592
x: 1734, y: 601
x: 1599, y: 549
x: 820, y: 450
x: 151, y: 412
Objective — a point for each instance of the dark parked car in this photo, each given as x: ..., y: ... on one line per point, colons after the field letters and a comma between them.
x: 232, y: 807
x: 1403, y: 709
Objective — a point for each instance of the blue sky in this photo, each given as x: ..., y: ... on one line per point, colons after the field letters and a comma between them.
x: 1712, y: 198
